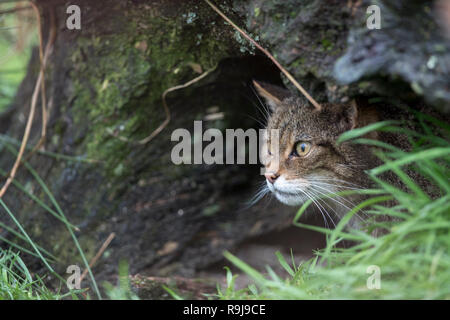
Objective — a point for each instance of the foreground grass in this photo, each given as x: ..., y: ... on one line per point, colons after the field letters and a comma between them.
x: 17, y: 282
x: 412, y: 259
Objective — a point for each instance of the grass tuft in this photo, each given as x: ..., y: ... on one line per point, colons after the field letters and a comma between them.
x: 17, y: 282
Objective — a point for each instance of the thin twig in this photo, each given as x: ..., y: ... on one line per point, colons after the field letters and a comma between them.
x: 31, y: 114
x: 267, y: 53
x: 98, y: 255
x: 166, y: 110
x: 43, y: 95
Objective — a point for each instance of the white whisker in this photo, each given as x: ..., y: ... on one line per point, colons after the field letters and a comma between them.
x: 334, y: 180
x: 333, y: 185
x: 335, y: 200
x: 319, y: 207
x: 324, y: 202
x: 258, y: 196
x: 266, y: 113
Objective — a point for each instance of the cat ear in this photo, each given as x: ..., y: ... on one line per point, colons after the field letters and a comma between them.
x: 273, y: 95
x: 350, y: 118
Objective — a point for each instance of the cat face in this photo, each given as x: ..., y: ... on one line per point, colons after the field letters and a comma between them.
x: 308, y: 162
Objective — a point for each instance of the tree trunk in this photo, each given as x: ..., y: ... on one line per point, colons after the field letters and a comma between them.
x: 105, y: 82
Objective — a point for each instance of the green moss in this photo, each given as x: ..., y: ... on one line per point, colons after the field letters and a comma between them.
x: 66, y: 250
x: 298, y: 63
x: 119, y: 79
x: 327, y: 44
x: 211, y: 210
x: 364, y: 85
x: 257, y: 11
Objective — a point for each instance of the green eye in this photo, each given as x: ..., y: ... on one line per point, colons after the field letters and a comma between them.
x: 302, y: 148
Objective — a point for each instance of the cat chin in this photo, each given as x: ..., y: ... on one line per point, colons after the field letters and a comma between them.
x: 290, y: 200
x: 287, y: 197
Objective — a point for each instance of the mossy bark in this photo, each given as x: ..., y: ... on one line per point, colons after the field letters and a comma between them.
x: 106, y: 80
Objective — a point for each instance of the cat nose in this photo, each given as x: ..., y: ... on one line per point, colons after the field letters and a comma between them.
x: 271, y: 177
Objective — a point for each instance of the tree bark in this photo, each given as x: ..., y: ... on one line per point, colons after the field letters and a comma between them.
x: 106, y: 80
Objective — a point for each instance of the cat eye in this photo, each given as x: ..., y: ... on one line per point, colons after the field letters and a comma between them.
x: 302, y: 148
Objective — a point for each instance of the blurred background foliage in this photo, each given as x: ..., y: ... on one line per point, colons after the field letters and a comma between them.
x: 18, y: 34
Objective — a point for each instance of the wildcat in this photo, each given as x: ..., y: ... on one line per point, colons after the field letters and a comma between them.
x: 310, y: 164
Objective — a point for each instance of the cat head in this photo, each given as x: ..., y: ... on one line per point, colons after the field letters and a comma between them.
x: 308, y: 162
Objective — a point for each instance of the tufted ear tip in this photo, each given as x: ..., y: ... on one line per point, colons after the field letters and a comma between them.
x: 353, y: 114
x: 273, y: 95
x: 346, y: 115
